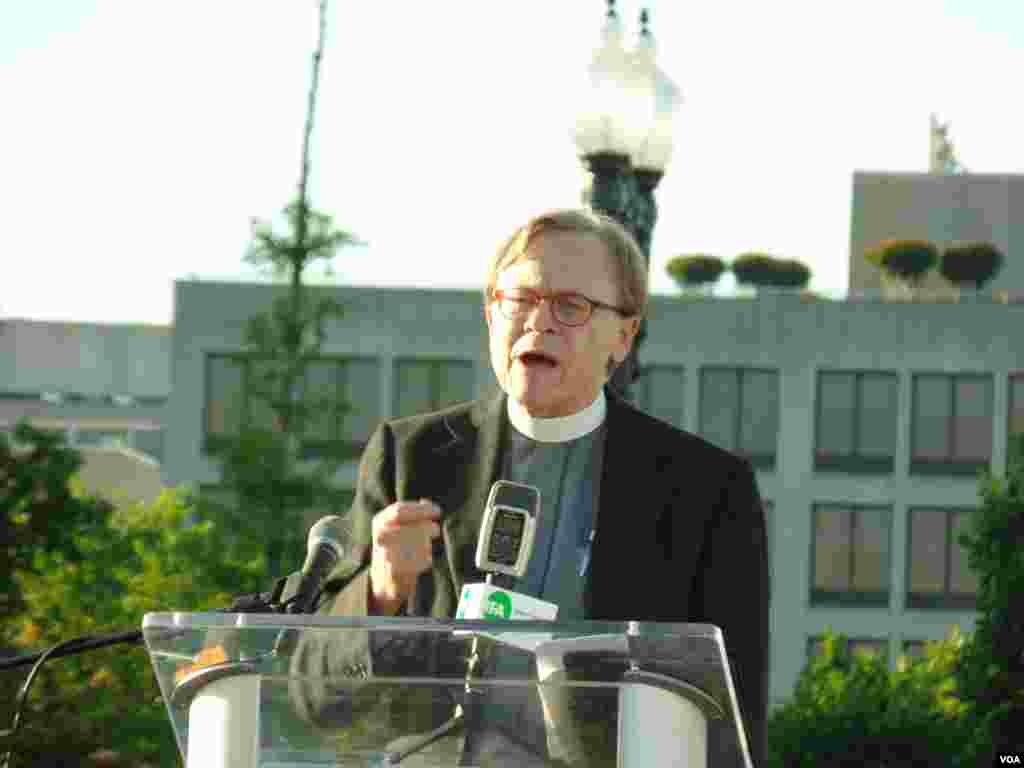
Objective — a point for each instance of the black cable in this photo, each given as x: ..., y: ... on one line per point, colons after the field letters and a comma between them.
x: 255, y: 602
x: 62, y: 648
x: 70, y: 647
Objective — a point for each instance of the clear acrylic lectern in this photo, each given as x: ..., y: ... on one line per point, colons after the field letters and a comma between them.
x: 269, y: 690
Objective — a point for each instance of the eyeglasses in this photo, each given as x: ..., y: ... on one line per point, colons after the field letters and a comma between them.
x: 572, y: 309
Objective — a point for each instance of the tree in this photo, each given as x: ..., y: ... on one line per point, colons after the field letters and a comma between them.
x: 991, y: 672
x: 38, y: 512
x: 791, y: 273
x: 753, y: 269
x: 907, y: 260
x: 848, y: 709
x: 971, y: 263
x: 144, y: 557
x: 267, y: 467
x: 763, y: 270
x: 698, y: 269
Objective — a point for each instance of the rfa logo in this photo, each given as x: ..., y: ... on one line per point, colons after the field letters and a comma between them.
x: 1009, y: 759
x: 499, y: 606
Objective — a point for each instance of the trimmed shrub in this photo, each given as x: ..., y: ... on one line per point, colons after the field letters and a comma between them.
x: 695, y: 269
x: 790, y: 273
x: 966, y: 263
x: 909, y: 260
x: 754, y: 269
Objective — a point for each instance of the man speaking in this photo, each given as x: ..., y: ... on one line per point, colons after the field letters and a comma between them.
x: 640, y: 520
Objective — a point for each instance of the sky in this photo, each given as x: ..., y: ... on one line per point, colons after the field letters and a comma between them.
x: 139, y: 139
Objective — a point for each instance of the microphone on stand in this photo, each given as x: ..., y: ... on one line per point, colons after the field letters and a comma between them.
x: 324, y: 550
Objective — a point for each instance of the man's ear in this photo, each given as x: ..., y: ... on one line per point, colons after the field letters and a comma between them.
x: 487, y: 315
x: 630, y: 328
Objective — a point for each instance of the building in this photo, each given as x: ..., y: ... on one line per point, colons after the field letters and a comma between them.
x: 942, y: 208
x: 104, y: 386
x: 868, y: 423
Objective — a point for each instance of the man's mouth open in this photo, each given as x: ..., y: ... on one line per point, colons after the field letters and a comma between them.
x: 537, y: 360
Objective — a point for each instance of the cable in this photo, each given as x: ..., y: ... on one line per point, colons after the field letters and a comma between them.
x: 61, y: 648
x: 70, y: 647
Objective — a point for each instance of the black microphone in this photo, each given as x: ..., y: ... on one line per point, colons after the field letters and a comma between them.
x: 323, y: 551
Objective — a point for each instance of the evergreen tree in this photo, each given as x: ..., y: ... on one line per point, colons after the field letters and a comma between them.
x: 274, y: 483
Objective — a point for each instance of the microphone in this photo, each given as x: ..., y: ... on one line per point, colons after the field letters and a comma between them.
x: 323, y: 551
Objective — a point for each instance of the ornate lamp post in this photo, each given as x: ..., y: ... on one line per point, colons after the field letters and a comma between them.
x: 623, y: 136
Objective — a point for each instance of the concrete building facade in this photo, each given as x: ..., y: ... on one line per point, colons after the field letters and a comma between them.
x: 867, y: 422
x: 104, y: 386
x: 942, y: 208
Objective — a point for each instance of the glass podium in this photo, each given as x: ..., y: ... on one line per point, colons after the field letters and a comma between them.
x: 271, y: 690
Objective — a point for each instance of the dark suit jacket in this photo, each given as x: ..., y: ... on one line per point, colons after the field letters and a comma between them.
x: 680, y: 533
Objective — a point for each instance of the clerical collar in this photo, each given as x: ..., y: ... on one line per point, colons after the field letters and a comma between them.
x: 559, y: 429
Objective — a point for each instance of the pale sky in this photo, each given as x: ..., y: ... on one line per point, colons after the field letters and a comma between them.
x: 138, y: 139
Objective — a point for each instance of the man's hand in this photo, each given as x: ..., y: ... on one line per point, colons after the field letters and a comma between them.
x: 402, y: 550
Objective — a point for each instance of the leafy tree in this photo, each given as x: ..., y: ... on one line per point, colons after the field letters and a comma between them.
x: 848, y: 709
x: 752, y: 269
x: 971, y: 263
x: 761, y: 269
x: 145, y: 557
x: 267, y: 466
x: 908, y: 260
x: 38, y: 512
x: 791, y: 273
x: 991, y: 673
x: 695, y: 269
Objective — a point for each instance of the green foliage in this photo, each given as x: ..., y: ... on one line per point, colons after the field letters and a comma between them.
x: 909, y: 260
x: 975, y: 263
x: 38, y: 512
x: 790, y: 273
x: 273, y: 484
x: 848, y: 709
x: 761, y: 269
x: 146, y: 557
x: 753, y: 268
x: 959, y: 705
x: 695, y: 269
x: 991, y: 674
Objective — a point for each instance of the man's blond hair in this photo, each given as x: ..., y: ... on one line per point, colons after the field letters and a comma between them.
x: 627, y: 259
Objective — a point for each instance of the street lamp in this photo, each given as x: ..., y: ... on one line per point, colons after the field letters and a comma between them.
x: 623, y: 135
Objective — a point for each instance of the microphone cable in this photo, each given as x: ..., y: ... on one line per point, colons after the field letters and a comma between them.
x: 253, y: 602
x: 63, y: 648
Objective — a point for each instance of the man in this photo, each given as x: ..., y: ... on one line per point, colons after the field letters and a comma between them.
x: 661, y: 525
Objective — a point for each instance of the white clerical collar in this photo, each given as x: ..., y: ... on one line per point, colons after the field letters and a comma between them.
x: 558, y: 429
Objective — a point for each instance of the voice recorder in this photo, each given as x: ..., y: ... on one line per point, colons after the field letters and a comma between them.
x: 508, y: 528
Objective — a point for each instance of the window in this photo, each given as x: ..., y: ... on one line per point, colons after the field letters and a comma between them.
x: 422, y: 386
x: 850, y: 558
x: 871, y: 646
x: 659, y: 392
x: 952, y: 423
x: 856, y: 421
x: 344, y: 395
x: 938, y: 574
x: 1016, y: 420
x: 739, y: 411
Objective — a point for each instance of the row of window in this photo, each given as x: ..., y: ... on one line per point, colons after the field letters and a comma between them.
x: 240, y: 393
x: 851, y: 559
x: 856, y: 423
x: 857, y: 418
x: 913, y: 648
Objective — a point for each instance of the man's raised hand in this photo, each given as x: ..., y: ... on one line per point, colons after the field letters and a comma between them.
x: 402, y: 550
